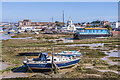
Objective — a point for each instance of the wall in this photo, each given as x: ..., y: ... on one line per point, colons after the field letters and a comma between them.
x: 116, y: 33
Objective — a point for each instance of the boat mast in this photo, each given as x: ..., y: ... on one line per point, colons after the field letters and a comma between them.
x: 52, y: 60
x: 55, y: 68
x: 63, y: 16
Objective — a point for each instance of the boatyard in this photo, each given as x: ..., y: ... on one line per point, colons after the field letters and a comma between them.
x: 99, y: 56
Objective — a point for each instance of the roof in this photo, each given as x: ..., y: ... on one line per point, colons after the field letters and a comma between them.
x: 95, y: 28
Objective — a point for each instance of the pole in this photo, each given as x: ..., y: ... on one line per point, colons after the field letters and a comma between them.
x: 52, y: 59
x: 63, y: 16
x: 52, y: 19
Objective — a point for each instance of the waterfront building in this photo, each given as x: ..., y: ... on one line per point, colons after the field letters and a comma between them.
x: 69, y: 26
x: 20, y: 23
x: 100, y: 23
x: 26, y: 22
x: 91, y: 33
x: 84, y: 24
x: 104, y: 23
x: 27, y: 28
x: 115, y: 25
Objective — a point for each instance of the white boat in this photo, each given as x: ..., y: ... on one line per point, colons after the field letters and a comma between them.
x: 1, y: 29
x: 45, y: 62
x: 69, y: 53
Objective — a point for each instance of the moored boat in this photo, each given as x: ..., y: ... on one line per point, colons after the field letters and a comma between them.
x: 84, y: 33
x: 45, y: 62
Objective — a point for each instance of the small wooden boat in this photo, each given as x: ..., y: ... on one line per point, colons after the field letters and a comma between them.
x: 45, y: 62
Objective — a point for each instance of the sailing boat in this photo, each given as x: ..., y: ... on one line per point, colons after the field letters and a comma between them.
x: 45, y: 61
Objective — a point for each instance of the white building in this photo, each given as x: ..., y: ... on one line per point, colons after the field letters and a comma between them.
x: 70, y: 26
x: 115, y: 25
x: 84, y: 24
x: 26, y: 28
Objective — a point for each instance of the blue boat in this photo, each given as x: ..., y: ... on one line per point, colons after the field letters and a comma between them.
x: 45, y: 62
x: 83, y: 33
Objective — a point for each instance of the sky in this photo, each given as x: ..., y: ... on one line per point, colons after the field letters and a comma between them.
x: 60, y: 0
x: 44, y: 11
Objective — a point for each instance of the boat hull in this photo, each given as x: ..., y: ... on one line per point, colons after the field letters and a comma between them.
x: 87, y: 36
x: 49, y: 65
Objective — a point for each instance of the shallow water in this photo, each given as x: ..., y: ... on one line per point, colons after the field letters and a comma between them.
x: 4, y: 65
x: 6, y: 36
x: 91, y: 45
x: 111, y: 54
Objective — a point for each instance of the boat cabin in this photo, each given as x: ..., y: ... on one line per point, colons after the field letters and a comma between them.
x: 93, y: 31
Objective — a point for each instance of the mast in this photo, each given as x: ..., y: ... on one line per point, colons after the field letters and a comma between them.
x: 52, y: 19
x: 63, y: 16
x: 55, y: 68
x: 52, y: 60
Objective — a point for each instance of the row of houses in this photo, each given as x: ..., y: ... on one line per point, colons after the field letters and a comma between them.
x: 28, y: 25
x: 99, y: 24
x: 27, y: 22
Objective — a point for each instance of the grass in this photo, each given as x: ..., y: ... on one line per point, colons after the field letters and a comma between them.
x: 114, y: 67
x: 110, y: 75
x: 11, y: 48
x: 115, y: 59
x: 7, y: 69
x: 92, y: 71
x: 94, y: 53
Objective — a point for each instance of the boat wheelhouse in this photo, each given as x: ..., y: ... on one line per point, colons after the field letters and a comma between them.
x: 82, y: 33
x: 69, y: 53
x: 45, y: 62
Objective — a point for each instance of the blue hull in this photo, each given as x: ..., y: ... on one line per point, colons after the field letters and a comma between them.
x: 49, y: 66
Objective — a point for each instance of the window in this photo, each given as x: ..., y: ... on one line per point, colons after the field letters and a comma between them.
x: 54, y: 59
x: 90, y: 30
x: 97, y: 30
x: 48, y: 60
x: 85, y: 31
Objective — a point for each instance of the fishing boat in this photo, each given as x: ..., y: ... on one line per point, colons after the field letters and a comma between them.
x: 69, y: 53
x: 45, y: 61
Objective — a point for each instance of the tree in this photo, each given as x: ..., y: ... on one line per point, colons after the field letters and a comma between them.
x: 88, y: 23
x: 58, y: 25
x: 108, y: 27
x: 56, y: 21
x: 79, y: 24
x: 97, y: 26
